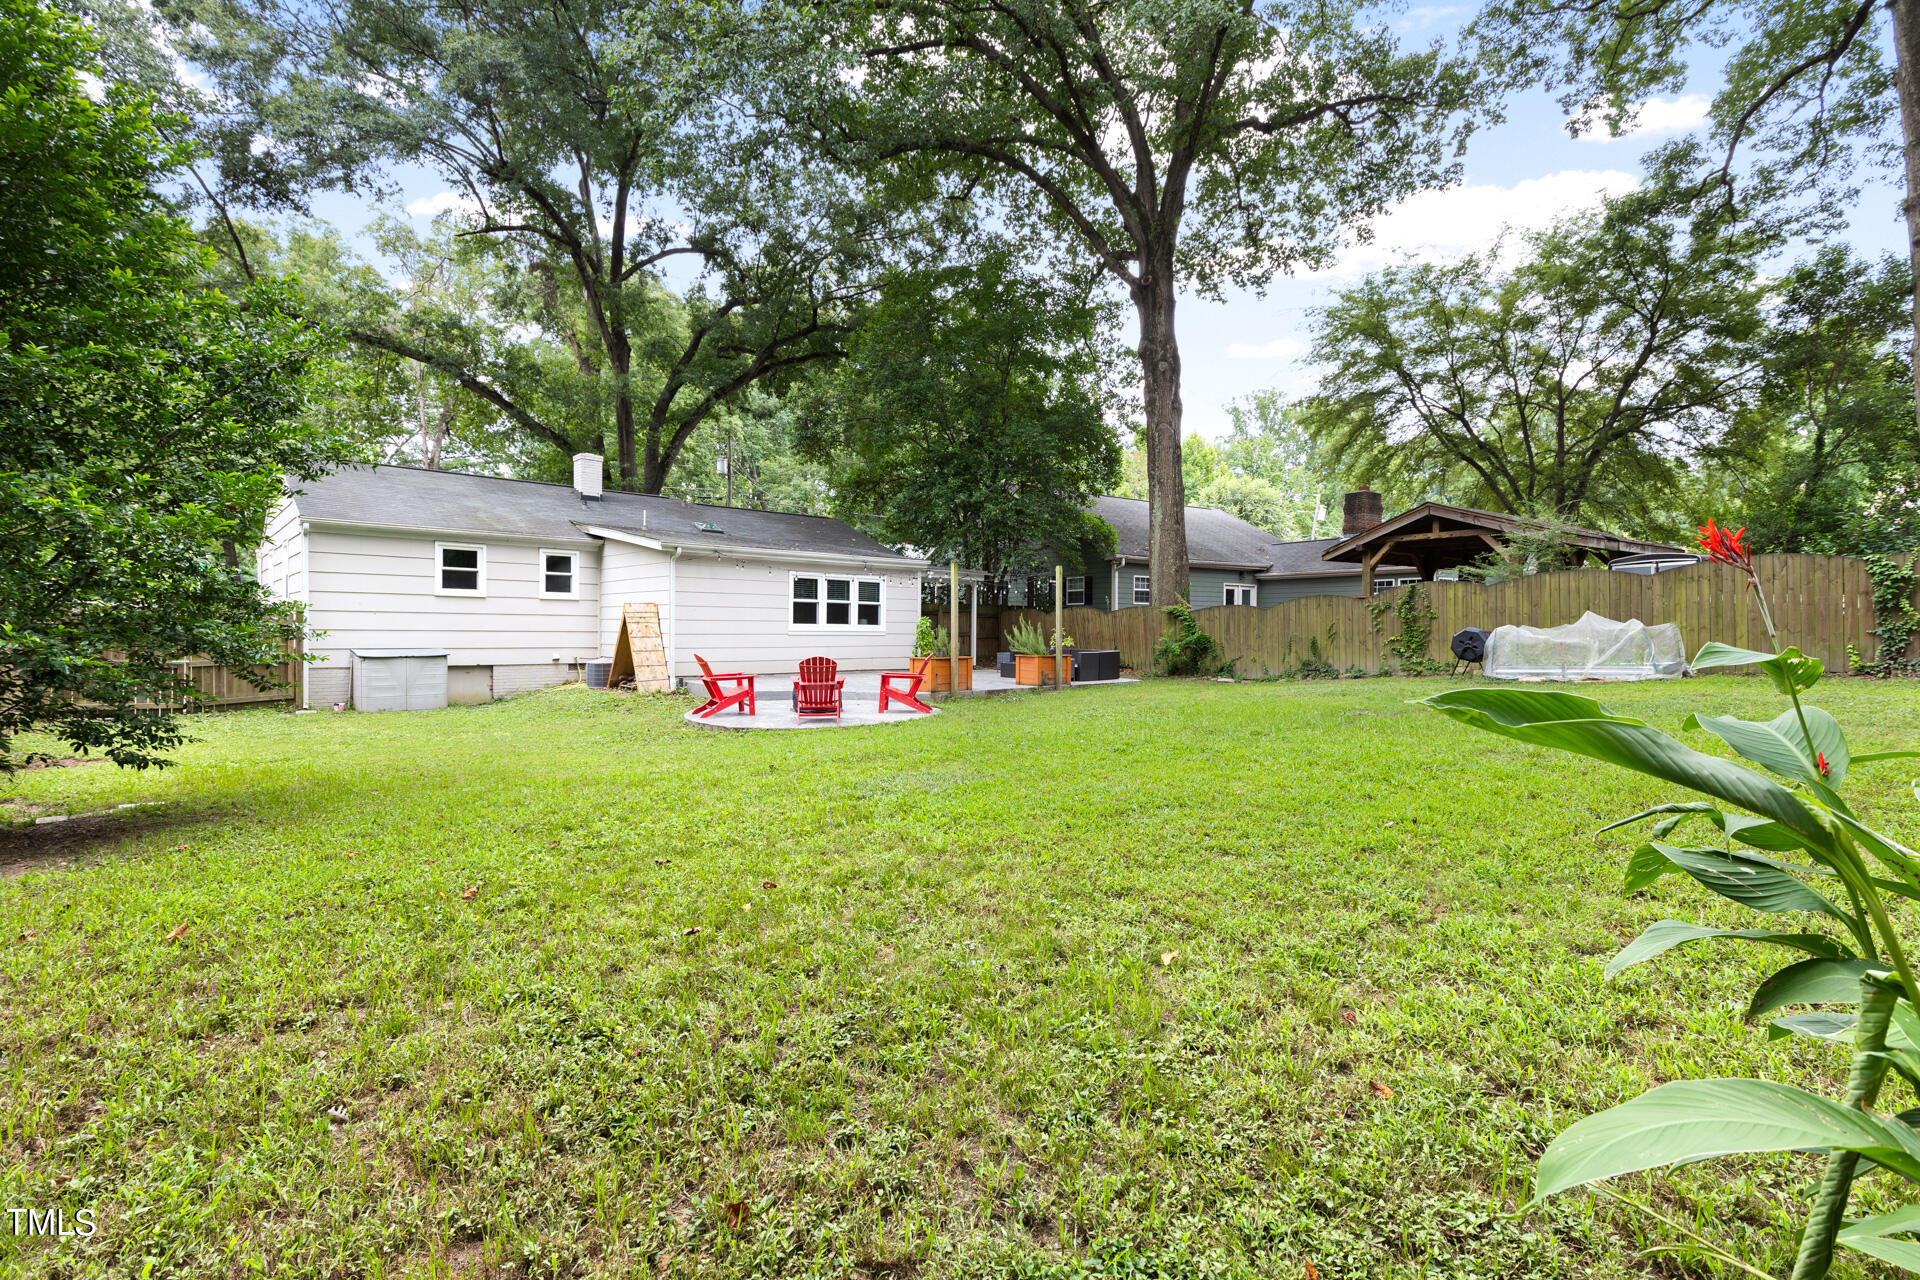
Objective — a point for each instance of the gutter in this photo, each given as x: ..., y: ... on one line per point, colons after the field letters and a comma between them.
x: 872, y: 563
x: 494, y: 535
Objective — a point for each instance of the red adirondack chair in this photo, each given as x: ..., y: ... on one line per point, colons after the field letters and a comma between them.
x: 908, y: 697
x: 817, y: 691
x: 719, y: 696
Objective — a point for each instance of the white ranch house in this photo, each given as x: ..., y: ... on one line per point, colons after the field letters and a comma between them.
x: 521, y: 584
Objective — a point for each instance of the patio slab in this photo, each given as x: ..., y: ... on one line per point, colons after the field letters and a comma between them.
x: 774, y: 703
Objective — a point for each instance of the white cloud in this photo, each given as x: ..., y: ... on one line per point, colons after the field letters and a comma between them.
x: 445, y: 202
x: 1420, y: 17
x: 1278, y: 349
x: 1655, y: 116
x: 1452, y: 222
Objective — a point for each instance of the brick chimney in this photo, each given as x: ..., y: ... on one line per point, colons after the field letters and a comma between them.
x: 1363, y: 512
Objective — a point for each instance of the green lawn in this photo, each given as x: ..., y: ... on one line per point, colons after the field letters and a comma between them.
x: 1240, y: 977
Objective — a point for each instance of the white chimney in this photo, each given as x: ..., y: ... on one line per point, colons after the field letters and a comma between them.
x: 587, y: 471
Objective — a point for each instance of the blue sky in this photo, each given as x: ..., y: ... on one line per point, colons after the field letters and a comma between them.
x: 1521, y: 174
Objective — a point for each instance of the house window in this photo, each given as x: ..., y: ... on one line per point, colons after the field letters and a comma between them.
x: 1076, y: 590
x: 1237, y: 593
x: 560, y: 575
x: 818, y: 600
x: 1142, y: 592
x: 462, y: 569
x: 1388, y: 584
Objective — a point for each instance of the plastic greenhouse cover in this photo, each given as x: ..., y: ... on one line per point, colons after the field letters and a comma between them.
x: 1594, y: 648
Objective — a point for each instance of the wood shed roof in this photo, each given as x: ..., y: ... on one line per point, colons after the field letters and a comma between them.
x: 1436, y: 536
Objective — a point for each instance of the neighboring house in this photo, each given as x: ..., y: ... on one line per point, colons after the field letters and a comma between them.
x: 522, y: 583
x: 1232, y: 562
x: 1228, y: 562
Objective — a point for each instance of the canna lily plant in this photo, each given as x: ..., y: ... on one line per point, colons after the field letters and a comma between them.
x: 1775, y: 835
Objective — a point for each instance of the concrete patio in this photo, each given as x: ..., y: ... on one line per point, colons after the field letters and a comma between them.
x: 860, y: 699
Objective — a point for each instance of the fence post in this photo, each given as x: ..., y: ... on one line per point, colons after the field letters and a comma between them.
x: 953, y: 633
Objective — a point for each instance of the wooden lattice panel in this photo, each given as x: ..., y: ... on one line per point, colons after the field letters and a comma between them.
x: 640, y: 654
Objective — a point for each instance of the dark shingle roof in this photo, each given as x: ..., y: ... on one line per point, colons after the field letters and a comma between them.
x: 1214, y: 538
x: 455, y: 502
x: 1217, y: 540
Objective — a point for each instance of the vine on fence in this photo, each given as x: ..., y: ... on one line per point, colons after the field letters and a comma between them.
x: 1415, y: 614
x: 1894, y: 614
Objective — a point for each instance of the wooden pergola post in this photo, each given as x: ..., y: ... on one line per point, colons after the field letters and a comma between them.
x: 953, y: 632
x: 1059, y: 620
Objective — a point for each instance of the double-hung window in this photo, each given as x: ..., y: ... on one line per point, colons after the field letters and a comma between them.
x: 460, y: 569
x: 559, y: 575
x: 1237, y: 593
x: 1076, y: 591
x: 1142, y: 589
x: 819, y: 601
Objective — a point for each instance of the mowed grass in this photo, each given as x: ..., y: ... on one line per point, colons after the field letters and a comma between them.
x: 1184, y: 979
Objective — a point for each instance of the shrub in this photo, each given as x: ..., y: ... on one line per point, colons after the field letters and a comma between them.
x: 1189, y: 650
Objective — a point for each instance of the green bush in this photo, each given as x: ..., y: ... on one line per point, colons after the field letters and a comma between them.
x: 1189, y: 650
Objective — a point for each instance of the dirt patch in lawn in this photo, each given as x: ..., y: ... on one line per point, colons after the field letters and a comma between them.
x: 51, y: 846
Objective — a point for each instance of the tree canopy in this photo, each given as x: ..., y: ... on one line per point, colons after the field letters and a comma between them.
x: 968, y: 421
x: 1191, y: 145
x: 1574, y: 384
x: 145, y: 422
x: 589, y: 143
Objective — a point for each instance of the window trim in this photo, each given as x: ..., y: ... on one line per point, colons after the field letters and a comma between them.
x: 573, y: 574
x: 1080, y: 589
x: 440, y: 566
x: 1249, y: 593
x: 1142, y: 584
x: 853, y: 626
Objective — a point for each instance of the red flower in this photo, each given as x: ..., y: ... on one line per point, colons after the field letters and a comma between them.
x: 1820, y: 758
x: 1726, y: 546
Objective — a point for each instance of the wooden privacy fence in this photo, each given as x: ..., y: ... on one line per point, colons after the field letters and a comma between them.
x: 217, y: 687
x: 1820, y: 603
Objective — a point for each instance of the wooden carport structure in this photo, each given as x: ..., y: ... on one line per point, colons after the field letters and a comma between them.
x: 1435, y: 536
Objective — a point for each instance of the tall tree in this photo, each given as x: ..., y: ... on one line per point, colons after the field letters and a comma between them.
x: 1187, y: 145
x: 1569, y: 386
x: 969, y: 421
x: 1271, y: 473
x: 1824, y: 454
x: 146, y: 423
x: 586, y: 139
x: 1810, y: 83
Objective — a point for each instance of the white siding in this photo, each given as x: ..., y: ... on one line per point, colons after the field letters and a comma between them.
x: 281, y: 561
x: 734, y: 613
x: 376, y: 590
x: 630, y: 575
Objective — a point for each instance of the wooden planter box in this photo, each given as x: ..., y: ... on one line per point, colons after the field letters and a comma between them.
x: 1037, y: 668
x: 938, y: 673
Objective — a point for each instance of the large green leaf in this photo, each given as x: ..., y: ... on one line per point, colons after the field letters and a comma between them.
x: 1790, y: 670
x: 1890, y: 851
x: 1761, y: 833
x: 1696, y: 1119
x: 1667, y: 934
x: 1871, y: 1237
x: 1830, y: 1028
x: 1780, y: 745
x: 1884, y: 755
x: 1570, y: 722
x: 1749, y: 881
x: 1816, y: 981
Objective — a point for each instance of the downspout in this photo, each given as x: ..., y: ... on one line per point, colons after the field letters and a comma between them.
x: 1113, y: 599
x: 673, y: 619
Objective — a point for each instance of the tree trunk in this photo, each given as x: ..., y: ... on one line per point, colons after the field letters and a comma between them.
x: 1906, y: 48
x: 1153, y: 299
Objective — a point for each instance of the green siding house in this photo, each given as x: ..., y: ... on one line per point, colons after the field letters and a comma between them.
x: 1230, y: 561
